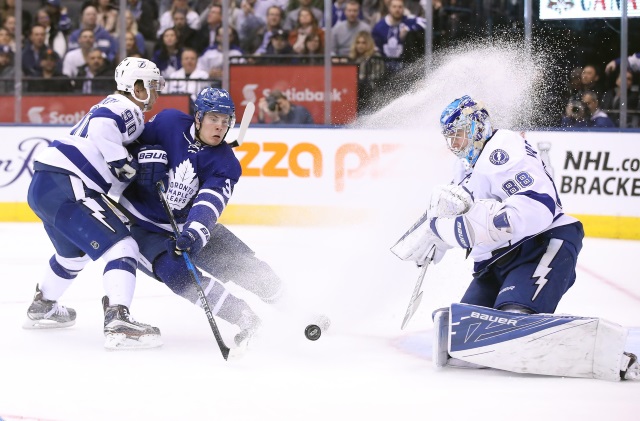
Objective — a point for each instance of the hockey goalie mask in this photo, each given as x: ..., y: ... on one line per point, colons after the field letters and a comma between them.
x: 132, y: 69
x: 217, y: 101
x: 466, y: 127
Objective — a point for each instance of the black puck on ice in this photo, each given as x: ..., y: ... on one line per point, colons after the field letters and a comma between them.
x: 312, y: 332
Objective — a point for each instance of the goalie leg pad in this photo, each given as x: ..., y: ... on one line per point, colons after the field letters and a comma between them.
x: 544, y: 344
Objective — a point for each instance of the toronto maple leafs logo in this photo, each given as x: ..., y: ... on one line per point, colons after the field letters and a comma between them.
x: 560, y: 6
x: 183, y: 185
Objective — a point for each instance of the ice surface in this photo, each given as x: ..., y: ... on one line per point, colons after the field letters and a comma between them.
x: 364, y: 368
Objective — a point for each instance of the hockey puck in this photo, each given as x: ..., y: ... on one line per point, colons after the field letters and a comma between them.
x: 312, y: 332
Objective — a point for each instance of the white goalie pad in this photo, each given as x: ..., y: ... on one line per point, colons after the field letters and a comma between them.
x: 418, y: 241
x: 547, y: 344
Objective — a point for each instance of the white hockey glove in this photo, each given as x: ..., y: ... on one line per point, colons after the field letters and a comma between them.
x: 450, y: 200
x: 486, y: 223
x: 416, y: 244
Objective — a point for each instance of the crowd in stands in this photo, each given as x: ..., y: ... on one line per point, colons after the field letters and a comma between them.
x: 73, y: 45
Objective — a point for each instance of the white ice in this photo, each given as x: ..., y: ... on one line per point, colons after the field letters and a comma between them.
x: 363, y: 368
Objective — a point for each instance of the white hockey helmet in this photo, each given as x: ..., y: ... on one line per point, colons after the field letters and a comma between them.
x: 132, y: 69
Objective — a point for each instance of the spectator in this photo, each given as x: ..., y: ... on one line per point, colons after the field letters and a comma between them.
x: 279, y: 50
x: 275, y: 20
x: 146, y: 16
x: 9, y: 9
x: 33, y: 49
x: 591, y: 80
x: 344, y: 32
x: 598, y: 117
x: 250, y: 29
x: 262, y: 6
x: 77, y: 58
x: 574, y: 86
x: 211, y: 60
x: 313, y: 50
x: 190, y: 79
x: 611, y: 102
x: 50, y: 78
x: 96, y: 77
x: 371, y: 67
x: 235, y: 13
x: 107, y: 15
x: 575, y: 115
x: 306, y: 25
x: 291, y: 21
x: 634, y: 64
x: 6, y: 70
x: 186, y: 34
x: 207, y: 34
x: 167, y: 55
x: 7, y: 39
x: 282, y: 111
x: 138, y: 38
x: 166, y: 20
x: 390, y: 32
x: 55, y: 19
x: 103, y: 40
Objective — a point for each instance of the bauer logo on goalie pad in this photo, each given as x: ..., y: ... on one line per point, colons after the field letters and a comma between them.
x: 500, y: 320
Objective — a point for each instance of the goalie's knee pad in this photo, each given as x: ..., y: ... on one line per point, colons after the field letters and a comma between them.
x: 537, y: 343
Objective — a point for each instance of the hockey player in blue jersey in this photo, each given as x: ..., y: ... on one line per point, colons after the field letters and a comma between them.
x: 67, y: 193
x: 202, y: 173
x: 504, y: 209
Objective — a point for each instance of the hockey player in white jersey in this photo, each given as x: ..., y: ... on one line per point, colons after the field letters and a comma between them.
x: 504, y: 209
x: 66, y: 192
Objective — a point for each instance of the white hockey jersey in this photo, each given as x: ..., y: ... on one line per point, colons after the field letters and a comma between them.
x: 509, y: 170
x: 100, y: 137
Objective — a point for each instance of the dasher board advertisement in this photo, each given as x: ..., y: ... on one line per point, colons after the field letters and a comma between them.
x: 302, y: 85
x: 69, y: 109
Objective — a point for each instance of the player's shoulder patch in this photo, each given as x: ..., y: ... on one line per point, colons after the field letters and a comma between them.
x: 499, y: 157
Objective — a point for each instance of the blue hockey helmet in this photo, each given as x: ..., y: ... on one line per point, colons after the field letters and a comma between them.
x: 466, y: 127
x: 217, y: 101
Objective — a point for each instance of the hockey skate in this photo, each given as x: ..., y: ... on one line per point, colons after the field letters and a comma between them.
x: 630, y: 369
x: 48, y: 314
x: 249, y: 324
x: 123, y: 332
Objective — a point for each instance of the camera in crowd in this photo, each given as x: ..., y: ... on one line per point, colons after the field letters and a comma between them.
x: 272, y: 102
x: 576, y: 110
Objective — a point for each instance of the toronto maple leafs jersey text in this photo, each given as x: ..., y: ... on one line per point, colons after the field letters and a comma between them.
x: 100, y: 137
x: 509, y: 170
x: 201, y: 178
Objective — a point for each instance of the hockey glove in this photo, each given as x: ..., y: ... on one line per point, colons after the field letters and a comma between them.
x: 191, y: 240
x: 416, y: 244
x: 153, y: 166
x: 449, y: 200
x: 124, y: 169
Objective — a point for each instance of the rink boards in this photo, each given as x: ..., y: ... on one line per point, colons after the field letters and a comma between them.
x: 331, y: 176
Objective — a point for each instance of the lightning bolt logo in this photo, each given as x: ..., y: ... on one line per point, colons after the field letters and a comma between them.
x: 544, y: 267
x: 97, y: 211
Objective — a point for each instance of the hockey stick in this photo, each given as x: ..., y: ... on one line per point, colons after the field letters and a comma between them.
x: 224, y: 349
x: 416, y: 297
x: 244, y: 124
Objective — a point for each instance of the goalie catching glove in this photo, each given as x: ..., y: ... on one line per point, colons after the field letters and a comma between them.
x: 485, y: 222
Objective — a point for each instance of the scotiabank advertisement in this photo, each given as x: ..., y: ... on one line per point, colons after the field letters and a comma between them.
x: 70, y: 109
x: 303, y: 85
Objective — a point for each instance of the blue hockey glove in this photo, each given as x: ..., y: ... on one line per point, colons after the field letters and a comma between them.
x: 191, y: 240
x: 153, y: 166
x: 124, y: 169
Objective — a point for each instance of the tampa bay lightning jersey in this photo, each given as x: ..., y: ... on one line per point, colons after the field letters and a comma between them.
x: 100, y: 137
x: 509, y: 170
x: 201, y: 178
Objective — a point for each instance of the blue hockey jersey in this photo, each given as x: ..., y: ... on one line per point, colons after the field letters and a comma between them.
x: 201, y: 178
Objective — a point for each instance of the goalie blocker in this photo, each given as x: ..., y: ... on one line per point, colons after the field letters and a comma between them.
x: 479, y: 337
